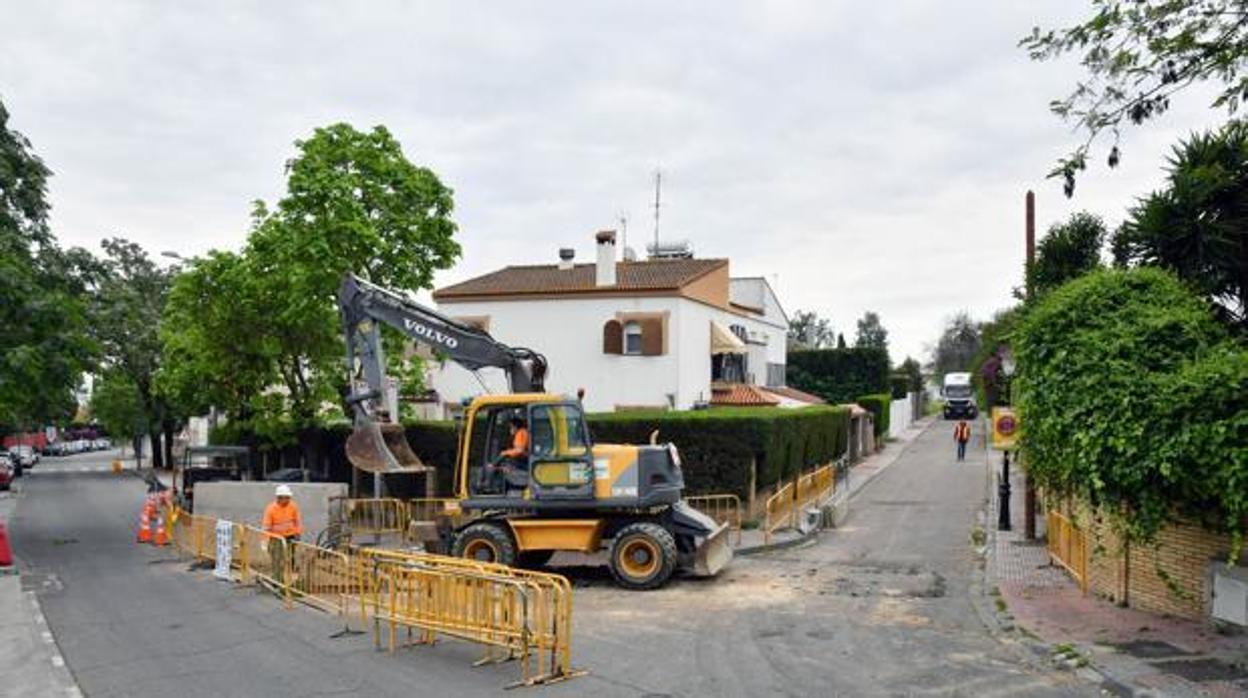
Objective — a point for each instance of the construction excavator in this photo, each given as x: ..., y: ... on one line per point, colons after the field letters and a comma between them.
x: 564, y: 493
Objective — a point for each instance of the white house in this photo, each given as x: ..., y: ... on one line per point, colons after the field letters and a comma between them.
x: 664, y: 332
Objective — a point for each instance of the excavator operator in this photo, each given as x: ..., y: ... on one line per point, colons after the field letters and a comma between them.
x: 510, y: 469
x: 519, y: 440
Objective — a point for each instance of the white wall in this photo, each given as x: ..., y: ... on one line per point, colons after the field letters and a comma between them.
x: 569, y: 332
x: 901, y: 415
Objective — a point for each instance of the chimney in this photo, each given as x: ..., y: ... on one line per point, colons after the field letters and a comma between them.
x: 565, y: 258
x: 606, y: 258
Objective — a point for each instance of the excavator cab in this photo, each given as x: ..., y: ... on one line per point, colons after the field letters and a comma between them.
x: 557, y: 462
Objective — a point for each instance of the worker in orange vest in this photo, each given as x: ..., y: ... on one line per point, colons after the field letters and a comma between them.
x: 282, y: 519
x: 962, y: 434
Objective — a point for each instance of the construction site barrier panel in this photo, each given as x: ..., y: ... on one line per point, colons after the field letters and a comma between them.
x: 783, y: 508
x: 516, y: 614
x: 376, y: 516
x: 1068, y: 547
x: 723, y: 508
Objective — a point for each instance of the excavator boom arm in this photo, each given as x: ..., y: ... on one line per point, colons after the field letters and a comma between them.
x: 363, y: 306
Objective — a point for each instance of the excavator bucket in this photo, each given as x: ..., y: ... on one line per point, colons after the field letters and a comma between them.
x: 714, y: 553
x: 382, y: 448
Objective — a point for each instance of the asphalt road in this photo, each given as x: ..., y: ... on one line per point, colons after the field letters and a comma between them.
x: 881, y: 606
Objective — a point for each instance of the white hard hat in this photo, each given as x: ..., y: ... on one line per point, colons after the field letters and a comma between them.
x: 284, y: 491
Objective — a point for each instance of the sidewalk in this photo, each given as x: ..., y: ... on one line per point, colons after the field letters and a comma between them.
x: 1135, y: 653
x: 30, y: 662
x: 860, y: 475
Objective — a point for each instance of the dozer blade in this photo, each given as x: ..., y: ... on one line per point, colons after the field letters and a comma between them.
x: 382, y: 448
x: 714, y: 553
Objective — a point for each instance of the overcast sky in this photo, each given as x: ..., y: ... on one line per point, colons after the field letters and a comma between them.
x: 862, y: 156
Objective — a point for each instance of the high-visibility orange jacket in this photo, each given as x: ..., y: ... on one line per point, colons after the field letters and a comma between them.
x: 962, y: 432
x: 519, y: 444
x: 283, y: 519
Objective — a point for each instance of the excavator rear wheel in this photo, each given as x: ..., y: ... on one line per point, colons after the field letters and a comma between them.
x: 485, y: 541
x: 643, y: 556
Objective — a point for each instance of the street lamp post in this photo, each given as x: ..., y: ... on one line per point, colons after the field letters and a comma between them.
x: 1003, y: 487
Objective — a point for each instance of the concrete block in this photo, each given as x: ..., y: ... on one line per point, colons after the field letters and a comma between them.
x: 244, y: 502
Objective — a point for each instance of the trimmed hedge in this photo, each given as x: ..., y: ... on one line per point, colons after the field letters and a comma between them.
x: 879, y: 405
x: 839, y: 375
x: 716, y: 446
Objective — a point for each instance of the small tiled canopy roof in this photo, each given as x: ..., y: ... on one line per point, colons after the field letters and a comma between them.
x: 650, y: 275
x: 737, y: 394
x: 795, y: 394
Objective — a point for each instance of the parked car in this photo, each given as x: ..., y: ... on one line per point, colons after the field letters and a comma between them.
x: 26, y: 454
x: 102, y: 444
x: 13, y: 464
x: 6, y: 474
x: 54, y: 448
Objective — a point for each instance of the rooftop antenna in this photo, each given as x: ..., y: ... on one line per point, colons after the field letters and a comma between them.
x: 624, y: 228
x: 658, y: 186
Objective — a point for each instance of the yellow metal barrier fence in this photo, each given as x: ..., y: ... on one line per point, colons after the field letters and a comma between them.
x: 806, y: 490
x: 1068, y: 547
x: 724, y: 508
x: 527, y: 614
x: 376, y: 516
x: 779, y: 510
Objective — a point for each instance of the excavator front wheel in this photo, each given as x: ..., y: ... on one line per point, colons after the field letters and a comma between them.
x: 643, y: 556
x: 485, y: 541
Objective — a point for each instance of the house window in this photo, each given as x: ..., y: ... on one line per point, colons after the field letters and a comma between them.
x: 634, y: 334
x: 775, y: 375
x: 632, y: 337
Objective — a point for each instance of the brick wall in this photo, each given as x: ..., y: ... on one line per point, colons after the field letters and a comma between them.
x: 1168, y: 576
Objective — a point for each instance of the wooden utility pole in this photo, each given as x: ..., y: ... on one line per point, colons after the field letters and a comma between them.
x: 1029, y: 490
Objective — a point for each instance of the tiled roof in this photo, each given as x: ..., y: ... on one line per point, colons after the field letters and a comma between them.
x: 795, y: 394
x: 737, y: 394
x: 649, y: 275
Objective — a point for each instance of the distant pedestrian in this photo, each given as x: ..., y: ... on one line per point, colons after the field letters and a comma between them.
x: 962, y: 434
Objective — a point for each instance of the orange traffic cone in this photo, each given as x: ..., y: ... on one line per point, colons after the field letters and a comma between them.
x: 161, y: 537
x: 145, y: 524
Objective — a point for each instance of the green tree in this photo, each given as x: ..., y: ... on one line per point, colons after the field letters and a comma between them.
x: 44, y: 349
x: 1069, y: 250
x: 1198, y: 225
x: 1135, y: 398
x: 1138, y: 56
x: 354, y: 204
x: 115, y: 405
x: 809, y: 331
x: 126, y: 311
x: 215, y: 347
x: 957, y: 345
x: 913, y: 373
x: 871, y: 334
